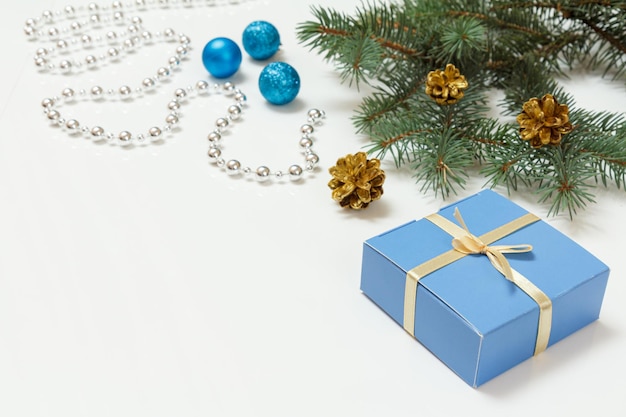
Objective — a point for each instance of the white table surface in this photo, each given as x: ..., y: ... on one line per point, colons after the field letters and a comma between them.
x: 146, y: 282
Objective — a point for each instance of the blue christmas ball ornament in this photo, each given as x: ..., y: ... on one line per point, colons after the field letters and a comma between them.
x: 221, y: 57
x: 279, y: 83
x: 261, y: 40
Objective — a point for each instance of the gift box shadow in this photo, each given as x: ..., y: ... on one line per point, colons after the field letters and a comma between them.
x: 564, y: 353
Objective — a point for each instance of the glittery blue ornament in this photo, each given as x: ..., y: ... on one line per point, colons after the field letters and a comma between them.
x: 260, y: 39
x: 221, y: 57
x: 279, y: 83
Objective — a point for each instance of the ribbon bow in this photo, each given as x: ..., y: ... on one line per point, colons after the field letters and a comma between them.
x: 471, y: 245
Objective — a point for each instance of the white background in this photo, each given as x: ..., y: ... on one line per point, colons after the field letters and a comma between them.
x: 146, y: 282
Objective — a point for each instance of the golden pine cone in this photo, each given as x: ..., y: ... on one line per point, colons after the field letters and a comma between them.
x: 356, y: 181
x: 544, y: 121
x: 446, y: 86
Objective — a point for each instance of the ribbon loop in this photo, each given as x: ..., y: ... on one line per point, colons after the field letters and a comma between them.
x: 471, y: 245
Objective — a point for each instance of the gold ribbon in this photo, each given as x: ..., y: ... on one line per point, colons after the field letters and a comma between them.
x: 465, y: 243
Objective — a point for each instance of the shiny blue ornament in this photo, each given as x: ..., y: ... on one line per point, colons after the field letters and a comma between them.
x: 221, y: 57
x: 279, y: 83
x: 261, y: 40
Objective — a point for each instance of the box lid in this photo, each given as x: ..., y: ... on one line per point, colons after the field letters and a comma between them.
x: 471, y: 286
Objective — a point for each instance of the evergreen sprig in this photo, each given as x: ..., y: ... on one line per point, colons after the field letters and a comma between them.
x: 519, y: 47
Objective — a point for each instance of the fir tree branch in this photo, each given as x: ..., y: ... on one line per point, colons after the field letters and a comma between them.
x: 385, y: 102
x: 605, y: 35
x: 516, y: 46
x: 388, y: 142
x: 498, y: 22
x: 567, y: 185
x: 558, y: 6
x: 442, y: 162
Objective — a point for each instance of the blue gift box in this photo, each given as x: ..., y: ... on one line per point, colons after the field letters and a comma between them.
x: 467, y: 313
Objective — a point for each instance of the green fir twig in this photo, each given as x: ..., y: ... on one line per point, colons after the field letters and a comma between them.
x: 519, y: 47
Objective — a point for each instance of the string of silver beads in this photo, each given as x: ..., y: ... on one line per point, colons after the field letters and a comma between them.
x: 81, y: 27
x: 125, y: 138
x: 95, y: 15
x: 263, y: 173
x: 114, y: 46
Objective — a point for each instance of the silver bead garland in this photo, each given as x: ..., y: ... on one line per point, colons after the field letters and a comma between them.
x: 263, y: 173
x: 84, y: 29
x: 51, y: 107
x: 80, y: 33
